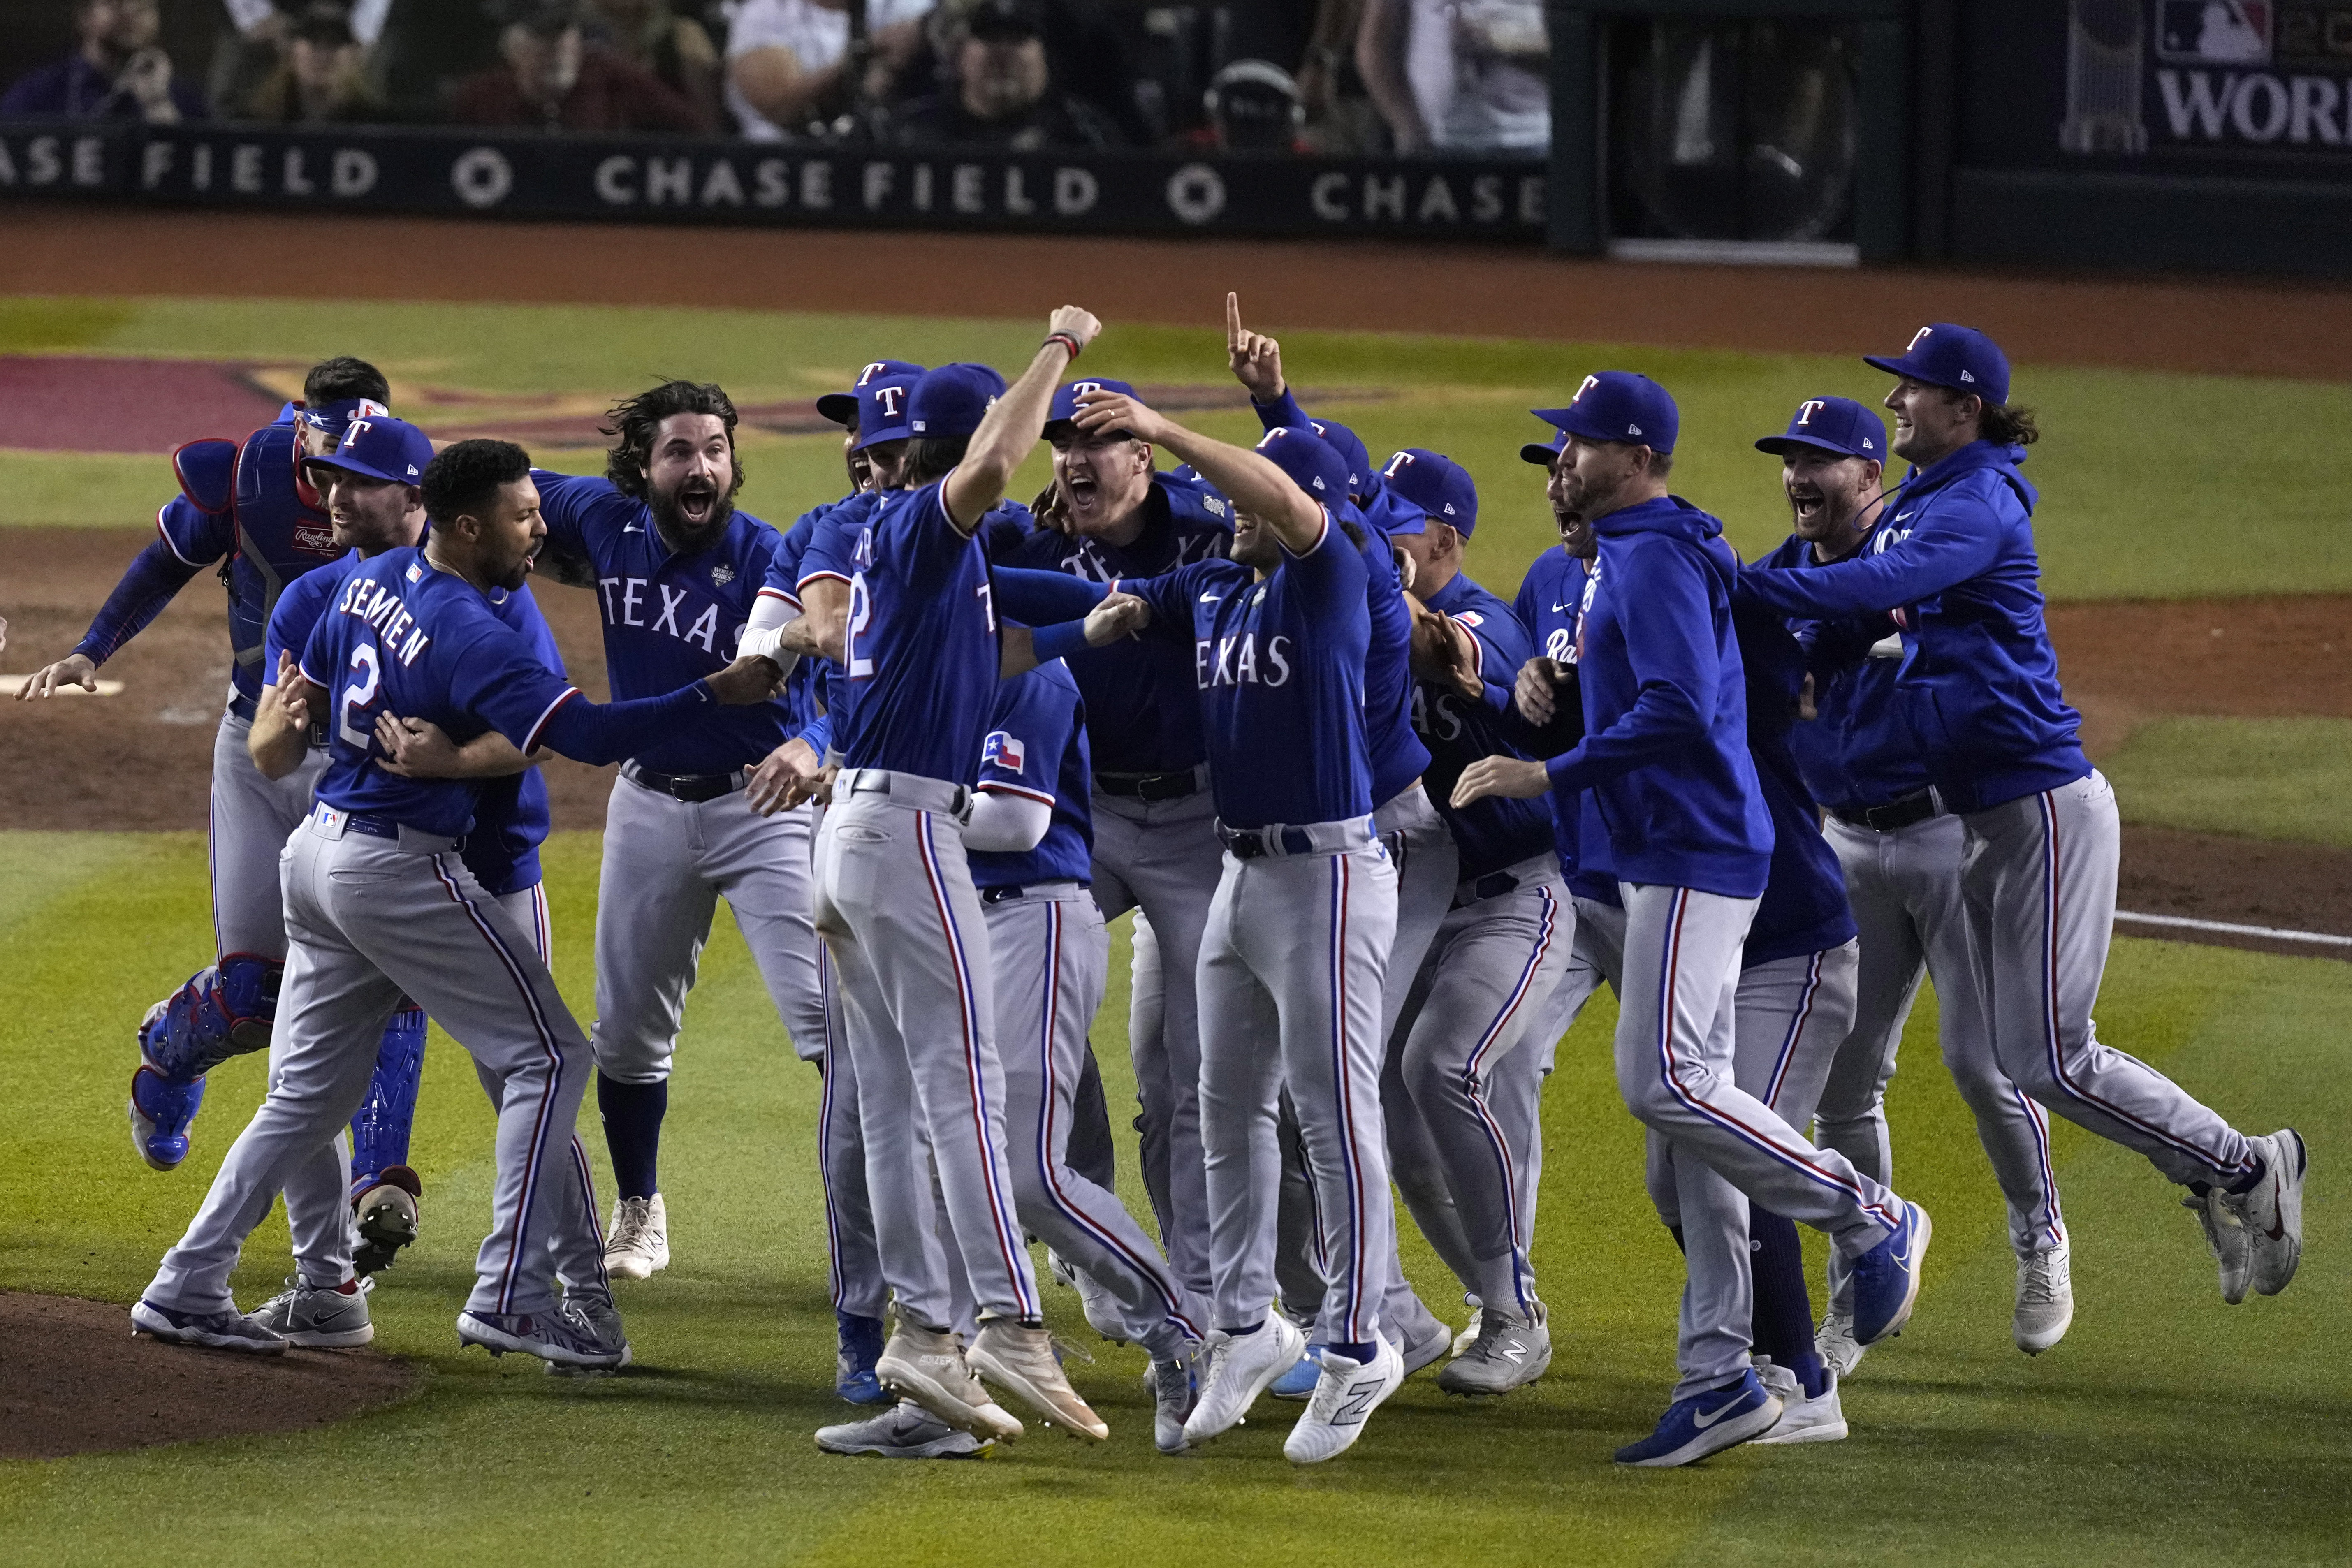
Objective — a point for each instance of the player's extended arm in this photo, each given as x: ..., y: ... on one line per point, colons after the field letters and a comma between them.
x: 420, y: 749
x: 1252, y: 481
x: 148, y: 584
x: 1005, y: 822
x: 1951, y: 544
x: 281, y: 736
x: 598, y: 733
x: 1009, y: 431
x: 769, y: 633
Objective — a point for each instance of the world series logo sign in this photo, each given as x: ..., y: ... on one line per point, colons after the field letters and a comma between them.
x: 2241, y: 76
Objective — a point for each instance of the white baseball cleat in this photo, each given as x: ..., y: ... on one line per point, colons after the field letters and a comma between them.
x: 1835, y: 1342
x: 2227, y: 1238
x: 1101, y: 1306
x: 2045, y: 1298
x: 638, y: 1247
x: 1240, y: 1367
x: 2272, y: 1211
x: 928, y: 1366
x: 1344, y: 1399
x: 1820, y: 1419
x: 1022, y: 1362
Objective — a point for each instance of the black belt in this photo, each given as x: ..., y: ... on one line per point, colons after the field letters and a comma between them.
x: 240, y: 706
x: 688, y: 787
x: 1493, y: 885
x: 1253, y: 842
x: 1899, y: 813
x: 1149, y: 786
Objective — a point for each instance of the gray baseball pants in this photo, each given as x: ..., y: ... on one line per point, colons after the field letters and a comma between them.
x: 1904, y: 888
x: 252, y: 816
x: 1051, y: 953
x: 2038, y: 880
x: 370, y: 920
x: 1295, y: 952
x: 896, y: 904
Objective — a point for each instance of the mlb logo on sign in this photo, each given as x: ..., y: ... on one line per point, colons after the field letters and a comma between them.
x: 1000, y: 751
x: 2214, y: 32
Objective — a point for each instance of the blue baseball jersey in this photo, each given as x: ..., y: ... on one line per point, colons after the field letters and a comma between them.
x: 1497, y: 832
x: 921, y: 649
x: 275, y: 530
x: 402, y: 636
x: 1279, y: 666
x: 1397, y: 756
x: 810, y: 691
x: 1141, y: 714
x: 1804, y: 904
x: 510, y: 816
x: 1551, y: 601
x: 1037, y: 748
x: 670, y: 619
x: 1858, y: 751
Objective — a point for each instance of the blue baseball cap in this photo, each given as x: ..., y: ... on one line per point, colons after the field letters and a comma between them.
x: 1313, y: 464
x: 379, y: 447
x: 1836, y: 424
x: 884, y: 393
x: 343, y: 411
x: 1064, y: 406
x: 1541, y: 453
x: 1618, y: 405
x: 1943, y: 354
x: 844, y: 407
x: 952, y: 400
x: 1363, y: 479
x: 1420, y: 487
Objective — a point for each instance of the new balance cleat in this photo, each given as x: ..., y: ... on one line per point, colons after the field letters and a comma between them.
x: 1820, y: 1419
x: 904, y: 1431
x: 1706, y: 1423
x: 1175, y: 1389
x: 216, y: 1330
x: 2272, y: 1211
x: 551, y: 1336
x: 1240, y: 1368
x: 386, y: 1214
x: 928, y: 1366
x: 1345, y: 1398
x: 1509, y: 1353
x: 1022, y: 1362
x: 2045, y: 1298
x: 638, y: 1247
x: 322, y: 1316
x: 1886, y: 1277
x: 2223, y: 1233
x: 858, y: 1346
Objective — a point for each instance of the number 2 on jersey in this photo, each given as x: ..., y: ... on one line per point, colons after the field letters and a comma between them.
x: 861, y: 612
x: 359, y: 694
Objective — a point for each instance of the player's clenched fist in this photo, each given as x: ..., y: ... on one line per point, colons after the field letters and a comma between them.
x: 751, y: 679
x: 1514, y: 776
x: 1535, y: 692
x: 1073, y: 323
x: 1119, y: 615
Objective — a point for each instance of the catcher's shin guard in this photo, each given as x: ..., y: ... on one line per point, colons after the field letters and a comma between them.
x: 221, y: 1012
x: 380, y: 1128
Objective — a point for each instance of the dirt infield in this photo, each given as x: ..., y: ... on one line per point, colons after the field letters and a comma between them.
x: 143, y: 760
x: 2233, y: 327
x: 75, y: 1379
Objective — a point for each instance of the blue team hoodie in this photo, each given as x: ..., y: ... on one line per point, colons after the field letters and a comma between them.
x: 1857, y: 753
x: 1664, y: 754
x: 1804, y: 907
x: 1978, y: 683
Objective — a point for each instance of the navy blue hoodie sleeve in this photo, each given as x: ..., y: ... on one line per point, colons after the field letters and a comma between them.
x: 1671, y: 646
x: 1957, y: 538
x: 1040, y: 598
x: 1282, y: 411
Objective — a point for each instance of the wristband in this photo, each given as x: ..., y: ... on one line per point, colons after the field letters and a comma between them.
x: 1059, y: 640
x: 1066, y: 340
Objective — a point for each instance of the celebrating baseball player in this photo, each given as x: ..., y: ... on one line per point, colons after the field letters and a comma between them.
x: 379, y: 905
x: 1979, y: 690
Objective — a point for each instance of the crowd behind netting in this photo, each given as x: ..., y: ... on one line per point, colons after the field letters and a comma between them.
x: 1327, y: 77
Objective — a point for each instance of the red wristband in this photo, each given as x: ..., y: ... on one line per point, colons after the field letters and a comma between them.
x: 1066, y: 339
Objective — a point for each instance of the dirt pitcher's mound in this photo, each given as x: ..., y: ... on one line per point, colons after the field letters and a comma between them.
x: 74, y: 1380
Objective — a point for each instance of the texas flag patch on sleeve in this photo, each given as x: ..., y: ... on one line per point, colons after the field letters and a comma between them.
x: 1000, y: 751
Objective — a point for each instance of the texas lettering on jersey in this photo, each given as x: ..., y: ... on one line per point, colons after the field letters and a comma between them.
x: 631, y: 602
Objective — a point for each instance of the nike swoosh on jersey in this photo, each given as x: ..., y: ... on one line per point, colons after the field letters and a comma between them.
x: 1210, y: 598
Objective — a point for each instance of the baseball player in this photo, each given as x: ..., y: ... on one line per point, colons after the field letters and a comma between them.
x: 1498, y: 950
x: 897, y: 909
x: 1900, y: 852
x: 1298, y: 940
x: 676, y: 568
x: 379, y: 904
x: 1978, y: 688
x: 248, y: 503
x: 1669, y: 781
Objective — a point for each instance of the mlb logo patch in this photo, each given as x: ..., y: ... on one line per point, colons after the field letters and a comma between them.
x: 2215, y: 32
x: 1002, y: 751
x: 1470, y: 618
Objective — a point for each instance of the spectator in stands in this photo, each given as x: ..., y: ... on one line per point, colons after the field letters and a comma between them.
x: 321, y: 79
x: 1000, y: 91
x: 115, y: 72
x: 787, y: 61
x: 1458, y: 75
x: 555, y: 80
x: 652, y: 36
x: 1254, y: 106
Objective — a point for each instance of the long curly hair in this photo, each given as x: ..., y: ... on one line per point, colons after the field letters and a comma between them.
x: 634, y: 422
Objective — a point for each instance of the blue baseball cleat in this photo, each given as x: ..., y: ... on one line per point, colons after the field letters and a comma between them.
x: 861, y: 1346
x: 1706, y: 1423
x: 1886, y: 1277
x: 1299, y: 1382
x: 161, y: 1112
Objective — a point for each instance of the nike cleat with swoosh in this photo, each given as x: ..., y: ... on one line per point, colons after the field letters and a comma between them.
x: 2227, y: 1238
x: 1886, y: 1277
x: 1706, y: 1423
x: 2272, y: 1211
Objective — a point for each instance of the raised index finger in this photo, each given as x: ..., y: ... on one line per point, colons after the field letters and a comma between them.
x: 1232, y: 321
